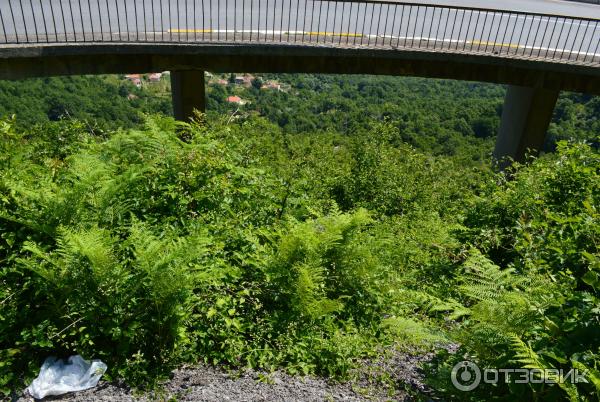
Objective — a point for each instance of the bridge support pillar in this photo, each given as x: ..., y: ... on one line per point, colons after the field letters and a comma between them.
x: 525, y: 119
x: 187, y: 91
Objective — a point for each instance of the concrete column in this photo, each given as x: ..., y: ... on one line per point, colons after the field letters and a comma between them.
x: 187, y: 91
x: 525, y: 119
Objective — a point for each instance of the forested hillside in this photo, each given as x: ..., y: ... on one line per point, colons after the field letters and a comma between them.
x: 437, y: 116
x: 313, y: 228
x: 106, y: 102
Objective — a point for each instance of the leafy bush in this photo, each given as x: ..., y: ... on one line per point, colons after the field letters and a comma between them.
x: 533, y: 296
x: 238, y: 243
x: 146, y: 251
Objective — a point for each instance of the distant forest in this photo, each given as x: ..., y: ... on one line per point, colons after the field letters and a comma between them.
x: 440, y: 116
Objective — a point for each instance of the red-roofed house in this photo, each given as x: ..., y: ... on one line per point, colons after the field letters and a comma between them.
x: 135, y: 79
x: 236, y: 99
x: 155, y: 77
x: 271, y: 85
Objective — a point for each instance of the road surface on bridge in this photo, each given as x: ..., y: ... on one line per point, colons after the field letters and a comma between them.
x: 549, y: 32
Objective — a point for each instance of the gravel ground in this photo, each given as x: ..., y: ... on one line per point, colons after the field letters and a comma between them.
x: 204, y: 383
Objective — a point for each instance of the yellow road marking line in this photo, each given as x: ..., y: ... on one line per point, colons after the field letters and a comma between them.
x: 312, y: 33
x: 486, y: 43
x: 355, y: 35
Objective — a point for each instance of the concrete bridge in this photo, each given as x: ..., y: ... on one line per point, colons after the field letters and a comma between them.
x: 536, y: 53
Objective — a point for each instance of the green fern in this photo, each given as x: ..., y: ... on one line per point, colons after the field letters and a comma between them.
x: 591, y: 374
x: 76, y: 250
x: 309, y: 296
x: 406, y: 331
x: 482, y: 280
x: 432, y: 304
x: 322, y: 261
x: 526, y: 356
x: 529, y: 359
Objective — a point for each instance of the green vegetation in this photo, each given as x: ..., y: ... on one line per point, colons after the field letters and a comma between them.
x: 102, y: 102
x: 436, y: 116
x: 250, y: 242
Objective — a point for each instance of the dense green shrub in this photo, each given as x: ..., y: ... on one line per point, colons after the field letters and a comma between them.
x: 236, y: 242
x: 146, y: 251
x: 532, y: 290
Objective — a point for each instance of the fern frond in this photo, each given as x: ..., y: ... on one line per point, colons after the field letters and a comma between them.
x: 170, y: 263
x: 525, y: 355
x: 591, y: 374
x: 407, y: 331
x: 309, y: 296
x: 482, y: 280
x: 432, y: 304
x: 40, y: 262
x: 76, y: 251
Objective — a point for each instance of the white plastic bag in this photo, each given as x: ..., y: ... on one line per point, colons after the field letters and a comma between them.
x: 57, y: 378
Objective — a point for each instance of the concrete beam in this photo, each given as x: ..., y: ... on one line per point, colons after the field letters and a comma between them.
x: 187, y: 91
x: 525, y: 118
x: 26, y: 61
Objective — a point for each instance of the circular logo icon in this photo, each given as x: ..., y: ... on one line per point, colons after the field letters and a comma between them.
x: 466, y: 376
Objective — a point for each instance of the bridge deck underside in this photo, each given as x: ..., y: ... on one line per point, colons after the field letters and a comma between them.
x: 321, y: 23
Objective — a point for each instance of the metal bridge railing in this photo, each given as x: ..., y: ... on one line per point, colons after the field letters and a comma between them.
x: 329, y: 23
